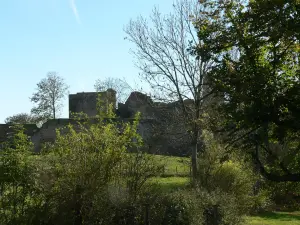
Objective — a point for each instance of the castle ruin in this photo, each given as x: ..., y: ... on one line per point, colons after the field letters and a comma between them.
x: 161, y: 126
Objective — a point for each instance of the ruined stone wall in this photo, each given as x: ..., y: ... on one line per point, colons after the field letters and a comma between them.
x: 47, y: 133
x: 162, y: 126
x: 7, y: 130
x: 80, y: 102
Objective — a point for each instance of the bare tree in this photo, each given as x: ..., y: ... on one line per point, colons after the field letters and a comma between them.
x: 50, y: 92
x: 163, y: 47
x: 122, y: 88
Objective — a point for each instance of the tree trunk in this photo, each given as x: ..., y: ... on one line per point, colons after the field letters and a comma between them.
x: 54, y: 116
x: 78, y: 206
x: 194, y: 154
x: 195, y: 139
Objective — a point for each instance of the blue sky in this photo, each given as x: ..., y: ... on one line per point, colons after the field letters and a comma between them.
x: 82, y: 40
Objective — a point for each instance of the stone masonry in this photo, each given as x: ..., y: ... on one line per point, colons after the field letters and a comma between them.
x: 161, y: 125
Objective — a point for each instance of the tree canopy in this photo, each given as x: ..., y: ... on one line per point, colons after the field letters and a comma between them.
x: 50, y: 92
x: 22, y: 118
x: 255, y: 48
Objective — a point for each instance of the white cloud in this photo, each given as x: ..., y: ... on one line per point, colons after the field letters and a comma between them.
x: 75, y: 11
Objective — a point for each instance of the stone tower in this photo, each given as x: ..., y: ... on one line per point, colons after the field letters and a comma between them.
x: 86, y: 102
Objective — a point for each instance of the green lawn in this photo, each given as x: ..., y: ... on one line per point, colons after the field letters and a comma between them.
x: 169, y: 184
x: 174, y: 166
x: 175, y: 175
x: 275, y: 218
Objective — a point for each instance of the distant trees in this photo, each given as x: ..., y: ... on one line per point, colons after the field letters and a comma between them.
x: 120, y: 86
x: 163, y: 53
x: 22, y: 118
x: 50, y: 92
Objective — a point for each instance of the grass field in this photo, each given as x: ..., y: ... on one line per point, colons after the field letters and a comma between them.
x: 175, y: 175
x: 174, y: 166
x: 168, y: 184
x: 275, y: 218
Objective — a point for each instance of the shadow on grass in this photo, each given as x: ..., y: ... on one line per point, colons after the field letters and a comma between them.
x: 280, y: 216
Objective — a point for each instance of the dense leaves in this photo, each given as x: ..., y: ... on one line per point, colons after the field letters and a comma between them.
x: 255, y: 47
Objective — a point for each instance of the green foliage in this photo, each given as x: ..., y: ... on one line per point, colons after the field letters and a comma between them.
x: 85, y: 178
x: 285, y: 195
x: 179, y: 208
x: 81, y: 178
x: 226, y: 182
x: 176, y: 208
x: 139, y: 167
x: 19, y: 194
x: 88, y: 159
x: 255, y: 49
x: 171, y: 184
x: 174, y: 166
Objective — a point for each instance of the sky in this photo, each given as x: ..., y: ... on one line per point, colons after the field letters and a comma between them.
x: 82, y: 40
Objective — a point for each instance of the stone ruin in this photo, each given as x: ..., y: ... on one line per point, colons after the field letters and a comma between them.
x: 161, y: 125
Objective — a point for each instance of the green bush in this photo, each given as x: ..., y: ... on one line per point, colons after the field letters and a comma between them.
x: 226, y: 183
x: 285, y: 196
x: 20, y: 195
x: 65, y: 183
x: 177, y: 208
x: 152, y: 207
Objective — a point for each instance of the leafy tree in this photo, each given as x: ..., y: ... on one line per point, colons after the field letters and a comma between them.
x: 255, y: 48
x: 120, y: 86
x: 50, y: 92
x: 88, y: 156
x: 17, y: 179
x: 22, y: 118
x: 163, y: 56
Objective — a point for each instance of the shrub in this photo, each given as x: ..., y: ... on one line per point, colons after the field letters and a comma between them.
x: 152, y: 207
x: 19, y: 193
x: 225, y: 183
x: 87, y: 160
x: 285, y: 196
x: 72, y: 176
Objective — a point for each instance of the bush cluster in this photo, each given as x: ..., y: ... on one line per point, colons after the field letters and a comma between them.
x: 88, y: 177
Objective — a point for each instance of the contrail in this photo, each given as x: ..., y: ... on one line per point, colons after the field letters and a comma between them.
x: 74, y: 9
